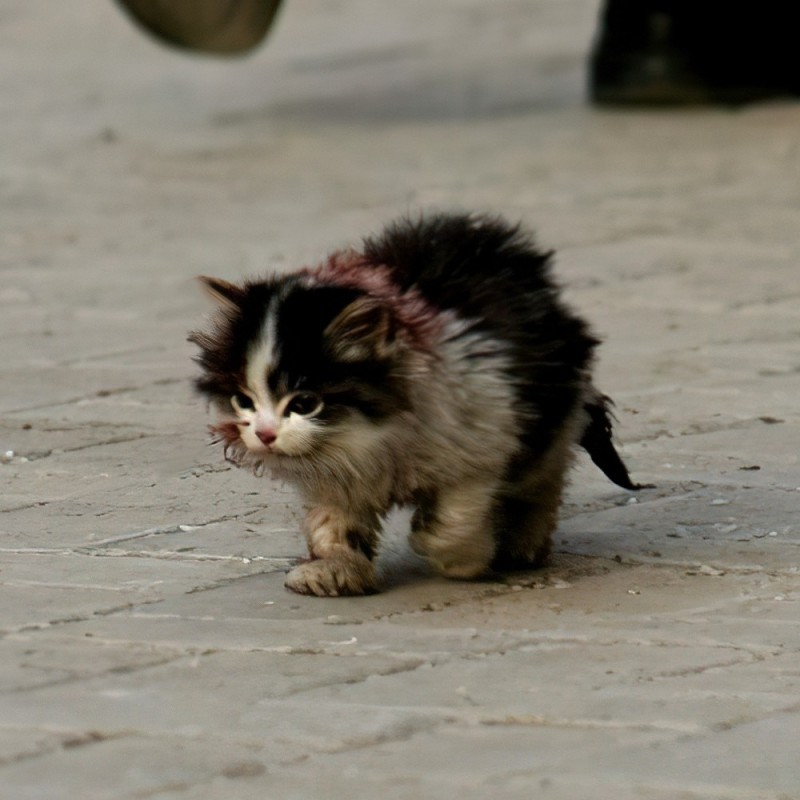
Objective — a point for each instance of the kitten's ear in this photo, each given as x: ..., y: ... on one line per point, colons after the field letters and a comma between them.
x: 362, y: 331
x: 225, y: 294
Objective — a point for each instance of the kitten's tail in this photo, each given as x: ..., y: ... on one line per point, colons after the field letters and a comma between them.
x: 596, y: 440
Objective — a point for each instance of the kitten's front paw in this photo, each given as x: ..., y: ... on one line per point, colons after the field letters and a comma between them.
x: 352, y: 574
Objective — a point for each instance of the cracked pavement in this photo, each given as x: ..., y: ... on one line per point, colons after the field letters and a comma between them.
x: 148, y: 648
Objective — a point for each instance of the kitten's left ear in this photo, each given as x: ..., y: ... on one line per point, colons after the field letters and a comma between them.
x: 363, y: 330
x: 222, y: 292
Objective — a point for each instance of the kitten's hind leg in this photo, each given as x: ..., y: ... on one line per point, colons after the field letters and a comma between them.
x: 524, y: 529
x: 341, y: 550
x: 525, y: 520
x: 452, y: 529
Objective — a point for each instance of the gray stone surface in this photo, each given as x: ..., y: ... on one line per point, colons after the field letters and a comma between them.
x: 148, y: 648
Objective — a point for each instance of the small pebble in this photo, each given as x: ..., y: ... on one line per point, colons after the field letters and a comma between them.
x: 351, y: 640
x: 726, y: 528
x: 705, y: 569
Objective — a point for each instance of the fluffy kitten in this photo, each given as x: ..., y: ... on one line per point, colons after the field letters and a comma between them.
x: 434, y: 367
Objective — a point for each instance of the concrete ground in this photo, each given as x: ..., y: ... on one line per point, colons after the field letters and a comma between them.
x: 149, y: 649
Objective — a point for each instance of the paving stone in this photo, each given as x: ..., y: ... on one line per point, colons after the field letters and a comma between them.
x: 148, y: 647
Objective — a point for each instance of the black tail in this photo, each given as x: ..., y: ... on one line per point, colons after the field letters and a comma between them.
x: 597, y: 442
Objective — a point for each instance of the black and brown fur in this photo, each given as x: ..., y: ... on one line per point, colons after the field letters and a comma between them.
x: 436, y: 366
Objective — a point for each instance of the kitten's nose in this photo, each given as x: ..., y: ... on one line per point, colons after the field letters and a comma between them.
x: 267, y: 435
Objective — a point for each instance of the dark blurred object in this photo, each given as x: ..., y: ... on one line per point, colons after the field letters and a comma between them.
x: 224, y: 27
x: 684, y: 52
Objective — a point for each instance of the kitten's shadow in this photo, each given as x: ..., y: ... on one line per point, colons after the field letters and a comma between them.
x: 397, y: 564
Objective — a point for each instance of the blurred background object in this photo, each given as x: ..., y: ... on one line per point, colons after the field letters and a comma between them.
x: 224, y: 27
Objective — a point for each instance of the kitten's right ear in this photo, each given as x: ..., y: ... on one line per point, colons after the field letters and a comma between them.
x: 225, y: 294
x: 363, y: 330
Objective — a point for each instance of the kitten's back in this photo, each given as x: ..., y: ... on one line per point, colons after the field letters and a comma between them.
x: 461, y: 261
x: 491, y: 273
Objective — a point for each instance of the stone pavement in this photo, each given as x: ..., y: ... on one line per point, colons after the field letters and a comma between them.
x: 148, y: 647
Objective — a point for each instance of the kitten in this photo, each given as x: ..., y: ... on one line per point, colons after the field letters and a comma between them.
x: 434, y: 367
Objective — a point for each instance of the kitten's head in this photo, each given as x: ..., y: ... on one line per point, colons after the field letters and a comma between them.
x: 295, y: 369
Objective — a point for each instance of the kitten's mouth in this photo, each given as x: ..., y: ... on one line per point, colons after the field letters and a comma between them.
x: 235, y: 452
x: 258, y: 462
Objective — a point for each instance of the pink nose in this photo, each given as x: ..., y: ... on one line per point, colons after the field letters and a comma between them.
x: 267, y: 436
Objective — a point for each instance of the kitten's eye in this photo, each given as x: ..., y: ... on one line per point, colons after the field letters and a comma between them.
x: 242, y: 402
x: 303, y: 403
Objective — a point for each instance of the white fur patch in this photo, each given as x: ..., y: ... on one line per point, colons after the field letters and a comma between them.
x: 263, y: 355
x: 295, y: 434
